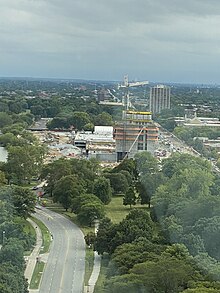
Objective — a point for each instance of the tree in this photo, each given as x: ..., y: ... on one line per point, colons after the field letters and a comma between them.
x: 129, y: 254
x: 90, y: 238
x: 201, y: 290
x: 8, y: 139
x: 86, y: 170
x: 172, y: 229
x: 104, y: 237
x: 104, y: 119
x: 24, y: 201
x: 166, y: 275
x: 129, y: 197
x: 209, y: 231
x: 3, y: 180
x: 83, y: 199
x: 58, y: 123
x: 118, y: 182
x: 136, y: 224
x: 102, y: 189
x: 13, y: 252
x: 12, y: 279
x: 66, y: 189
x: 147, y: 185
x: 5, y: 120
x: 128, y: 177
x: 24, y: 162
x: 53, y: 172
x: 177, y: 162
x: 90, y: 212
x: 15, y: 128
x: 89, y: 127
x: 146, y: 163
x: 128, y: 165
x: 189, y: 183
x: 26, y: 117
x: 79, y: 120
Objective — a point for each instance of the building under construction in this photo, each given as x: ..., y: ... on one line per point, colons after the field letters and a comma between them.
x: 135, y: 133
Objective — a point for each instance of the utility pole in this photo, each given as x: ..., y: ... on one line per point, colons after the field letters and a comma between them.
x: 3, y: 237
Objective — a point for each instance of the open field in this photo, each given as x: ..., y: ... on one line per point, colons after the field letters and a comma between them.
x: 116, y: 211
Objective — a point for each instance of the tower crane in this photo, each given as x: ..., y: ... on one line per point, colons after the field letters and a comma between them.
x: 126, y: 99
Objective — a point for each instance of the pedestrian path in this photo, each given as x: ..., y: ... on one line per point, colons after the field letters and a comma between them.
x: 31, y: 260
x: 96, y: 268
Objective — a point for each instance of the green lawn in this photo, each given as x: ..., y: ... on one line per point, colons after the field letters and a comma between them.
x: 35, y: 280
x: 116, y: 211
x: 28, y: 228
x: 102, y: 276
x: 89, y: 261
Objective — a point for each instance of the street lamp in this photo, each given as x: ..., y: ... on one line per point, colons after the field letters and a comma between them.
x: 3, y: 237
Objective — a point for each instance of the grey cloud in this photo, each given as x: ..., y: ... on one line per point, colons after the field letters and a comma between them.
x: 94, y: 37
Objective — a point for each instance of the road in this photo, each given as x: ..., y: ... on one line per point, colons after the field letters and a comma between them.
x: 169, y: 142
x: 64, y: 270
x: 175, y: 144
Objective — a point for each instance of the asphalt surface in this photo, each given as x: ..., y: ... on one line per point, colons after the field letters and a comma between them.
x: 65, y: 267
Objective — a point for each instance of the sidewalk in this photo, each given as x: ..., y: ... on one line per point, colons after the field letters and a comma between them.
x: 96, y: 269
x: 32, y: 259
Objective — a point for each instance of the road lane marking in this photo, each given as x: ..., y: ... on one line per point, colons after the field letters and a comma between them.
x: 67, y: 250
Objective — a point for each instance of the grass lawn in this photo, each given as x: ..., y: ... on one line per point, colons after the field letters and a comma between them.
x: 35, y: 280
x: 89, y: 261
x: 102, y: 276
x: 45, y: 235
x: 116, y: 211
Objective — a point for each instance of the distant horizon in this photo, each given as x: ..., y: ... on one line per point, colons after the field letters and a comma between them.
x: 102, y: 80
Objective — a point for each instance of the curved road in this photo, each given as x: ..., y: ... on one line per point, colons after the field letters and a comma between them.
x: 65, y: 267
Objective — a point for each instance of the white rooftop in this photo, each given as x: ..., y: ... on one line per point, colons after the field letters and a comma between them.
x: 106, y: 130
x: 101, y: 133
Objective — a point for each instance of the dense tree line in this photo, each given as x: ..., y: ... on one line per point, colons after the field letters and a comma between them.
x: 16, y: 204
x: 77, y: 185
x: 175, y: 247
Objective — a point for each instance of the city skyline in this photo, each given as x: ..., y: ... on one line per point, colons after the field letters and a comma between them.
x: 148, y: 40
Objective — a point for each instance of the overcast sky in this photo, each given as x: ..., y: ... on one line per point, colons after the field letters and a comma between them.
x: 155, y: 40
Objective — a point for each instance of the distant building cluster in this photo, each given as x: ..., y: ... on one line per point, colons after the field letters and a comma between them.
x: 192, y: 120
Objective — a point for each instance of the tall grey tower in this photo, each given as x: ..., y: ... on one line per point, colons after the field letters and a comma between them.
x: 159, y: 98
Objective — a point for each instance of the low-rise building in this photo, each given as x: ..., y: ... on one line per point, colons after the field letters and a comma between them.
x: 98, y: 144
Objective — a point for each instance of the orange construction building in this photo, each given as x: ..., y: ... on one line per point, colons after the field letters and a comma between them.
x: 135, y: 133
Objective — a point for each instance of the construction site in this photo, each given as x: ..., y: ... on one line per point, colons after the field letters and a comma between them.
x: 137, y: 131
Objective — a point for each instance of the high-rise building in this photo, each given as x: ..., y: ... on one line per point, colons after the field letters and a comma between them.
x: 159, y: 98
x: 135, y: 133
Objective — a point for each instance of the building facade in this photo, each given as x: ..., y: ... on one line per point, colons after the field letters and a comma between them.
x: 135, y: 133
x: 159, y: 98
